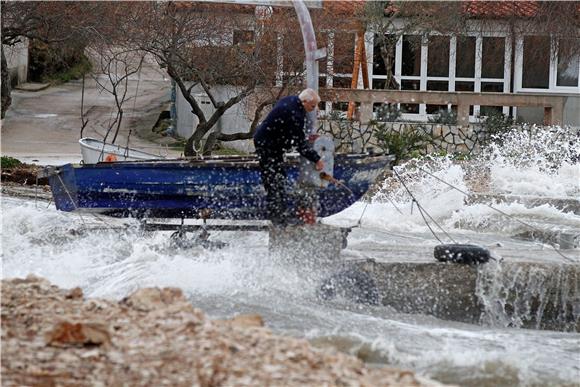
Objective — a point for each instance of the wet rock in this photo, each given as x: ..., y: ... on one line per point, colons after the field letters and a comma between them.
x: 67, y: 333
x: 149, y: 299
x: 155, y: 337
x: 75, y: 293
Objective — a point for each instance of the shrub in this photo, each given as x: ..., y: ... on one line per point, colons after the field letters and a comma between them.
x: 494, y: 125
x: 56, y: 63
x: 388, y: 113
x: 408, y: 143
x: 444, y: 117
x: 9, y: 162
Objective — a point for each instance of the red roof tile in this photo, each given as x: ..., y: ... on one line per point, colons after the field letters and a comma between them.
x: 501, y: 9
x: 478, y: 8
x: 345, y: 8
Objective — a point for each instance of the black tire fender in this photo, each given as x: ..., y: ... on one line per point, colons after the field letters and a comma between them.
x: 461, y: 253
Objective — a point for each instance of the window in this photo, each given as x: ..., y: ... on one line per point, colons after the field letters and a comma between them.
x: 438, y: 57
x: 447, y: 63
x: 411, y: 55
x: 379, y: 84
x: 536, y: 62
x: 568, y: 64
x: 465, y: 53
x: 344, y: 43
x: 464, y: 86
x: 378, y: 62
x: 292, y: 54
x: 493, y: 56
x: 324, y: 40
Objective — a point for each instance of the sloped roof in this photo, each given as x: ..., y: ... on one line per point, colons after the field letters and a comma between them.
x: 479, y: 8
x: 350, y: 8
x: 501, y: 9
x: 343, y: 7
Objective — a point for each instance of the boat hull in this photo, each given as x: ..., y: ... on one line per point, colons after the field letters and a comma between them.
x: 225, y: 187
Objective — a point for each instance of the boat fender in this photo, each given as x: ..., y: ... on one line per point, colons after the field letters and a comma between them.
x: 461, y: 253
x: 352, y: 284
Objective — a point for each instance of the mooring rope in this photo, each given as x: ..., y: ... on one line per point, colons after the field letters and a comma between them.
x: 500, y: 211
x: 422, y: 211
x: 358, y: 224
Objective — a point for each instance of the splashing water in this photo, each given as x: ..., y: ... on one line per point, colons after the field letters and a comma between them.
x: 530, y: 163
x: 113, y: 260
x: 536, y: 161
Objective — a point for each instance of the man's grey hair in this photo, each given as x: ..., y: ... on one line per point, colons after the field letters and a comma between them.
x: 309, y: 95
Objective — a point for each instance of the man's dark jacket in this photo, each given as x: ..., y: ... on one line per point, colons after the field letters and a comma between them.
x: 283, y: 129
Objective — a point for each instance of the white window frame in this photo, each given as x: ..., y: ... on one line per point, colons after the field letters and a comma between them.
x: 422, y: 77
x: 451, y: 79
x: 507, y: 70
x: 552, y: 87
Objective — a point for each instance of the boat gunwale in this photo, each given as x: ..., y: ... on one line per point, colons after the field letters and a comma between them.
x: 103, y: 147
x: 228, y: 161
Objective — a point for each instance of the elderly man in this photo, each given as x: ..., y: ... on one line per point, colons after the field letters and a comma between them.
x: 282, y: 130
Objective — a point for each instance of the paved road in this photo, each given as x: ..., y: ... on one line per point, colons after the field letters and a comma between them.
x: 43, y: 127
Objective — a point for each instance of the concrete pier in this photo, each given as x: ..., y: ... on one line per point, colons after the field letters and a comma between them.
x: 514, y: 293
x: 509, y: 294
x: 309, y: 246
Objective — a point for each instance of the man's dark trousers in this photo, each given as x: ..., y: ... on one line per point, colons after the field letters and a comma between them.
x: 274, y: 181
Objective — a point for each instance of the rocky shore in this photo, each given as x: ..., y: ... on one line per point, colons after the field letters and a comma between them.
x: 155, y: 337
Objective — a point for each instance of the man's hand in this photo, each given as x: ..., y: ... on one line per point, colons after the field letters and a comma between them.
x: 319, y: 165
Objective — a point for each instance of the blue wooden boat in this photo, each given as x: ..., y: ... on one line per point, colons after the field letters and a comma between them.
x: 229, y: 187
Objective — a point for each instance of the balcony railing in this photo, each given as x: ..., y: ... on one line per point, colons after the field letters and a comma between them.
x: 553, y: 104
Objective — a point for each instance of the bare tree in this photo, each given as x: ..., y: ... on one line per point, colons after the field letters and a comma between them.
x: 118, y: 66
x: 204, y: 46
x: 196, y: 44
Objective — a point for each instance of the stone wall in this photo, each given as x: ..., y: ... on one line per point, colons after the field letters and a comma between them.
x: 351, y: 136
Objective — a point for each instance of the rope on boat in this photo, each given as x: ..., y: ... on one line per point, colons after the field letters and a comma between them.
x: 70, y: 197
x: 85, y: 225
x: 500, y: 211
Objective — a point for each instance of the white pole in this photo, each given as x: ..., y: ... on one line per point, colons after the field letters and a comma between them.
x: 310, y: 48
